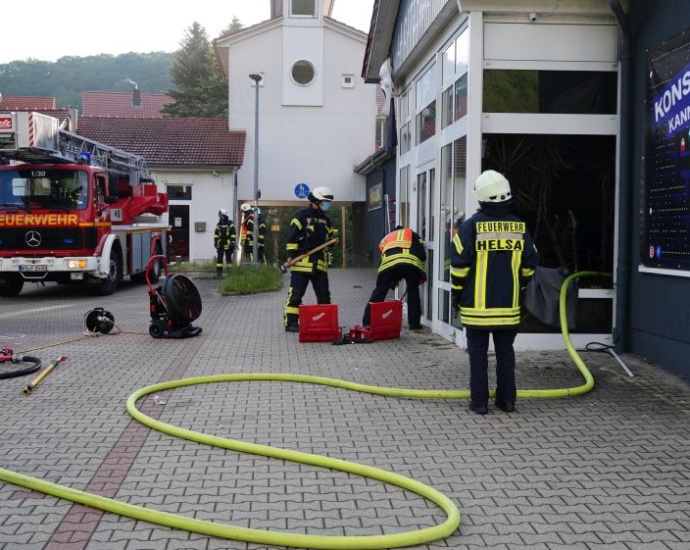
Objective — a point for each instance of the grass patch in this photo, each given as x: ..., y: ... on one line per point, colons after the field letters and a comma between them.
x: 251, y: 279
x: 192, y: 267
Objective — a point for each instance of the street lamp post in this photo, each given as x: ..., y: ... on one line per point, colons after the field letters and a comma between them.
x: 256, y: 77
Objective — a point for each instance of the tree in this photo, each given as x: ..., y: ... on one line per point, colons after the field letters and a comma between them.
x: 66, y: 78
x: 235, y: 26
x: 202, y: 89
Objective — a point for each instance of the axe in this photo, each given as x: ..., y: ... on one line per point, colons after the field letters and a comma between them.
x: 284, y: 266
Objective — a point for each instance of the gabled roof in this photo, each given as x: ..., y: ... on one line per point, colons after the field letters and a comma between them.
x: 26, y: 103
x: 123, y: 104
x: 180, y: 142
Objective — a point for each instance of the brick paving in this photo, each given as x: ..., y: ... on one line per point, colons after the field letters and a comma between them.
x: 608, y: 469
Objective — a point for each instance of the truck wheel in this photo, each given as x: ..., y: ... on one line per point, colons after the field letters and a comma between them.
x: 10, y: 285
x: 156, y: 267
x: 109, y: 284
x: 155, y: 271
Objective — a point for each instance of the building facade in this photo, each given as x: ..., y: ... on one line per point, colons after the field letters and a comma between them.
x: 561, y: 98
x: 194, y: 160
x: 316, y: 117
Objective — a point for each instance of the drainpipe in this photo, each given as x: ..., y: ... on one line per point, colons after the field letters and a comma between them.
x: 621, y: 336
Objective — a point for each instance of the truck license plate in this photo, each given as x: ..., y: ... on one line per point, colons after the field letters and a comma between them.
x: 33, y: 268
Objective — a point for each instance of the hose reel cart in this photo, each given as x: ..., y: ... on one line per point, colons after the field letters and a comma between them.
x: 173, y: 305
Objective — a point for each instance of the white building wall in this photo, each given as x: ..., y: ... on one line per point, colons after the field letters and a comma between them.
x: 316, y: 145
x: 209, y: 193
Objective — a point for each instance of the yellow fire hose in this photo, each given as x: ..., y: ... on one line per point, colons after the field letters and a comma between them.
x: 287, y: 539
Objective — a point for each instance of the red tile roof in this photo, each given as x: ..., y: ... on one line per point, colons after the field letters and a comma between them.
x: 181, y: 142
x: 123, y: 104
x: 26, y: 103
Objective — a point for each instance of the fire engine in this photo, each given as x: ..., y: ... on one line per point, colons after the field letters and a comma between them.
x: 74, y: 211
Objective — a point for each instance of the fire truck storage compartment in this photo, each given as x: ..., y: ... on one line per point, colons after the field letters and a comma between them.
x: 140, y: 244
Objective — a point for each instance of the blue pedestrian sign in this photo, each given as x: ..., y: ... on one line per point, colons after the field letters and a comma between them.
x: 301, y: 190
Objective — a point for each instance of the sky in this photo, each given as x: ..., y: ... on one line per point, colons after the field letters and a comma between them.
x: 69, y: 28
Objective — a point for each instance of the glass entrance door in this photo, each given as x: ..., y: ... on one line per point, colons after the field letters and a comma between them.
x: 426, y: 227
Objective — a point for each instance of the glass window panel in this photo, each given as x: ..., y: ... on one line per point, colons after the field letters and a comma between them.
x: 303, y: 72
x: 447, y: 101
x: 404, y: 107
x: 562, y: 92
x: 304, y: 8
x: 426, y: 123
x: 444, y: 305
x: 460, y: 96
x: 462, y: 53
x: 448, y: 64
x: 446, y: 209
x: 404, y: 196
x: 432, y: 204
x: 422, y: 228
x: 426, y: 88
x: 405, y: 140
x: 179, y: 192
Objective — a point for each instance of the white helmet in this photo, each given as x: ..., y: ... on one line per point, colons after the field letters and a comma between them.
x: 492, y: 187
x: 222, y: 212
x: 321, y: 194
x: 245, y: 207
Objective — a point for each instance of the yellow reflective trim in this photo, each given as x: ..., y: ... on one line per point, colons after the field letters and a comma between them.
x: 515, y: 267
x: 459, y: 271
x: 457, y: 243
x: 489, y: 322
x: 480, y: 280
x: 492, y: 311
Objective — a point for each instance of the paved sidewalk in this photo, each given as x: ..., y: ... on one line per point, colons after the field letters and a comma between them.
x: 606, y: 470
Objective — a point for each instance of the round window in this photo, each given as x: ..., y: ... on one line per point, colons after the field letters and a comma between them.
x: 303, y: 72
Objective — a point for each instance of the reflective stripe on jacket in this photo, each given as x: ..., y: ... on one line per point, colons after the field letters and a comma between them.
x: 309, y: 228
x: 224, y: 236
x: 402, y: 246
x: 492, y: 260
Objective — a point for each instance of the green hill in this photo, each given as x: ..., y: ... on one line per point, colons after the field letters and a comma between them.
x: 66, y: 78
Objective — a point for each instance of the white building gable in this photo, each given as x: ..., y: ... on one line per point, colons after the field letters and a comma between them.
x: 317, y: 117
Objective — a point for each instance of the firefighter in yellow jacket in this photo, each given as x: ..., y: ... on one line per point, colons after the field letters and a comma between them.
x: 224, y: 240
x: 310, y: 227
x: 402, y: 257
x: 492, y: 260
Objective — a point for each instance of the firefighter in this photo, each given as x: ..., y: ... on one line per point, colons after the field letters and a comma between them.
x: 402, y: 257
x: 492, y: 260
x: 262, y: 236
x: 224, y: 240
x: 310, y: 227
x: 248, y: 219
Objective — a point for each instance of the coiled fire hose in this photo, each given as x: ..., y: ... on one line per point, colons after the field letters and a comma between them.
x: 7, y: 354
x: 273, y: 538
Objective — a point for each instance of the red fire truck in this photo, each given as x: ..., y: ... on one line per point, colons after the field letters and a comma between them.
x: 72, y: 210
